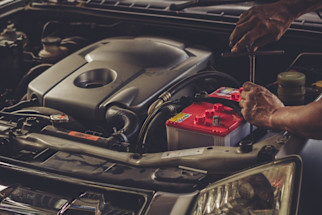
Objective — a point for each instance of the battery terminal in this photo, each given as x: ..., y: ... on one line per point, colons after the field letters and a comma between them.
x: 216, y: 120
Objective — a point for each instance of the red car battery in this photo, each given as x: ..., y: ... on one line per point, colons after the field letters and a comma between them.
x: 206, y: 124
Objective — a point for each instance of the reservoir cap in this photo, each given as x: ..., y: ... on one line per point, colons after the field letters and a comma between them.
x: 291, y: 87
x: 291, y: 79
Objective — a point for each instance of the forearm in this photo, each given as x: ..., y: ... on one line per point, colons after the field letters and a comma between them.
x: 299, y: 7
x: 266, y: 23
x: 288, y: 10
x: 304, y: 121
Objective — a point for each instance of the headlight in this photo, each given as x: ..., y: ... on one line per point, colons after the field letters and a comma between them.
x: 270, y: 189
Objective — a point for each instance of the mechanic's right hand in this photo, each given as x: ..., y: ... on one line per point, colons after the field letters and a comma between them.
x: 261, y: 25
x: 258, y: 104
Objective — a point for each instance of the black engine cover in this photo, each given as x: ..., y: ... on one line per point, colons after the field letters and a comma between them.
x: 132, y: 71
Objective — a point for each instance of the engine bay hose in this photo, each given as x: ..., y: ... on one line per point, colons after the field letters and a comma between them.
x: 20, y: 105
x: 27, y: 78
x: 154, y: 127
x: 168, y: 108
x: 125, y: 122
x: 226, y: 79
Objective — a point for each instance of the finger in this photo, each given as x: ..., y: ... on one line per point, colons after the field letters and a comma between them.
x: 242, y: 95
x: 245, y: 114
x: 247, y: 14
x: 247, y: 86
x: 247, y: 40
x: 242, y: 103
x: 245, y: 17
x: 264, y: 41
x: 240, y: 30
x: 254, y: 48
x: 246, y: 102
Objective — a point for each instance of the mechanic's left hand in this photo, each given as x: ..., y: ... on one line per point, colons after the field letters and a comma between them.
x: 260, y: 25
x: 258, y: 104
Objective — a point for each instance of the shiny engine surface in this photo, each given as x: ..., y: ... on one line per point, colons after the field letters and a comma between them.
x: 130, y: 71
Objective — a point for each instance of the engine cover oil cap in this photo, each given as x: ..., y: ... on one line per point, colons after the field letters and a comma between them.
x: 59, y: 118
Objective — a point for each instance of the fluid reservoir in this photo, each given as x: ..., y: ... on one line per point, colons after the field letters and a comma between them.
x: 11, y: 56
x: 52, y: 50
x: 206, y: 124
x: 291, y: 87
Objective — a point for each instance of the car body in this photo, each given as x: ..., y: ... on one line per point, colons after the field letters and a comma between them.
x: 131, y: 107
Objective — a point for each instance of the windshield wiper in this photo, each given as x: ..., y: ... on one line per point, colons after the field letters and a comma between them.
x: 194, y: 3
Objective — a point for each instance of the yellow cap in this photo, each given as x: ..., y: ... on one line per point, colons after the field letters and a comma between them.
x: 318, y: 84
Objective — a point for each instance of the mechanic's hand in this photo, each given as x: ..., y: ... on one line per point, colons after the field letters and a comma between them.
x: 258, y: 104
x: 260, y: 25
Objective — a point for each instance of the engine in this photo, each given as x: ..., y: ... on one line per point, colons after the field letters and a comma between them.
x: 131, y: 86
x: 140, y: 94
x: 129, y: 71
x: 126, y: 107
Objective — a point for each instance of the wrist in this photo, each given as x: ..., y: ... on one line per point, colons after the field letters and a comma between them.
x: 296, y: 8
x: 277, y: 119
x: 290, y: 9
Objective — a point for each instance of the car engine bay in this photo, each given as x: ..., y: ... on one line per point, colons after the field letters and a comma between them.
x: 130, y: 90
x: 140, y: 96
x: 109, y: 101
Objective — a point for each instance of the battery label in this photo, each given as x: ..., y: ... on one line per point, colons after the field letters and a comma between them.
x: 180, y: 117
x: 225, y: 91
